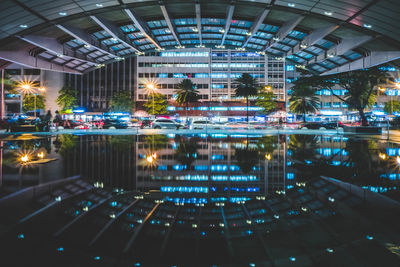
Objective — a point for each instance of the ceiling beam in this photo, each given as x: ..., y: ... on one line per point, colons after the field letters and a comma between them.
x: 77, y: 66
x: 375, y: 58
x: 53, y: 46
x: 68, y: 61
x: 256, y: 26
x: 115, y: 31
x: 228, y: 21
x: 198, y: 21
x: 23, y: 58
x: 312, y: 38
x: 143, y: 28
x: 345, y: 45
x: 284, y: 30
x: 169, y: 23
x: 87, y: 39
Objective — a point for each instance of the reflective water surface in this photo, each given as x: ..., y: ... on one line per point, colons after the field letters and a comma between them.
x: 200, y: 200
x: 234, y: 164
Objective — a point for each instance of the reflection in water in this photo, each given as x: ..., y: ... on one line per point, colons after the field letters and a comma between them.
x: 221, y: 165
x: 216, y: 200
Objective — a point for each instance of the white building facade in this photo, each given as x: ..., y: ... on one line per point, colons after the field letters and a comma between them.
x: 213, y: 71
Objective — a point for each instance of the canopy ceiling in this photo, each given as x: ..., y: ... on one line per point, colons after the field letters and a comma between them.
x: 76, y: 36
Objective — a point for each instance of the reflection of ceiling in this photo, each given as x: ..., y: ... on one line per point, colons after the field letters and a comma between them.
x: 324, y: 35
x: 313, y: 224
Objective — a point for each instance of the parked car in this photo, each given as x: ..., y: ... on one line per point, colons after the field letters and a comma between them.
x: 238, y: 126
x: 321, y: 125
x: 166, y: 124
x: 258, y: 125
x: 117, y: 124
x: 134, y: 123
x: 204, y: 124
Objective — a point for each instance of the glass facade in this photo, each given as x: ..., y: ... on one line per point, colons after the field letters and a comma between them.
x: 217, y: 71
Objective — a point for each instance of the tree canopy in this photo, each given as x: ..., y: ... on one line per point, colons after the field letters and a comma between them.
x: 360, y: 86
x: 392, y: 106
x: 121, y: 101
x: 303, y: 100
x: 266, y: 100
x: 160, y: 104
x: 246, y: 86
x: 9, y: 84
x: 66, y: 99
x: 28, y: 103
x: 186, y: 93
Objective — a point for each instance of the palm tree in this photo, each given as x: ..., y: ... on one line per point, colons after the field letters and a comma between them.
x: 303, y: 100
x: 246, y: 86
x: 186, y: 93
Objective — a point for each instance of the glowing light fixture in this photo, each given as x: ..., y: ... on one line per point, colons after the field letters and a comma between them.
x: 303, y: 46
x: 23, y: 26
x: 41, y: 155
x: 328, y: 13
x: 150, y: 86
x: 62, y: 13
x: 268, y: 156
x: 24, y: 158
x: 383, y: 156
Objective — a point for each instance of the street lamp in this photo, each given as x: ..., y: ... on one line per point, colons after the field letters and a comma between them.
x: 152, y: 88
x: 27, y: 87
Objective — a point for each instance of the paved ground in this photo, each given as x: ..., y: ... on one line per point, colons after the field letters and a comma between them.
x: 184, y: 131
x: 394, y: 135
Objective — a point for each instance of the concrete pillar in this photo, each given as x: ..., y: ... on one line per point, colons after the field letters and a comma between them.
x: 53, y: 81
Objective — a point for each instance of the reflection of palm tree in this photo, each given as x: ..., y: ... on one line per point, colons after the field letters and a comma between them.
x: 246, y: 158
x: 360, y: 163
x: 156, y: 142
x: 267, y: 145
x: 304, y: 148
x: 186, y: 153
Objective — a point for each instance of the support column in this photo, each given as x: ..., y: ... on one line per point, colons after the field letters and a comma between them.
x: 53, y: 81
x: 2, y: 95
